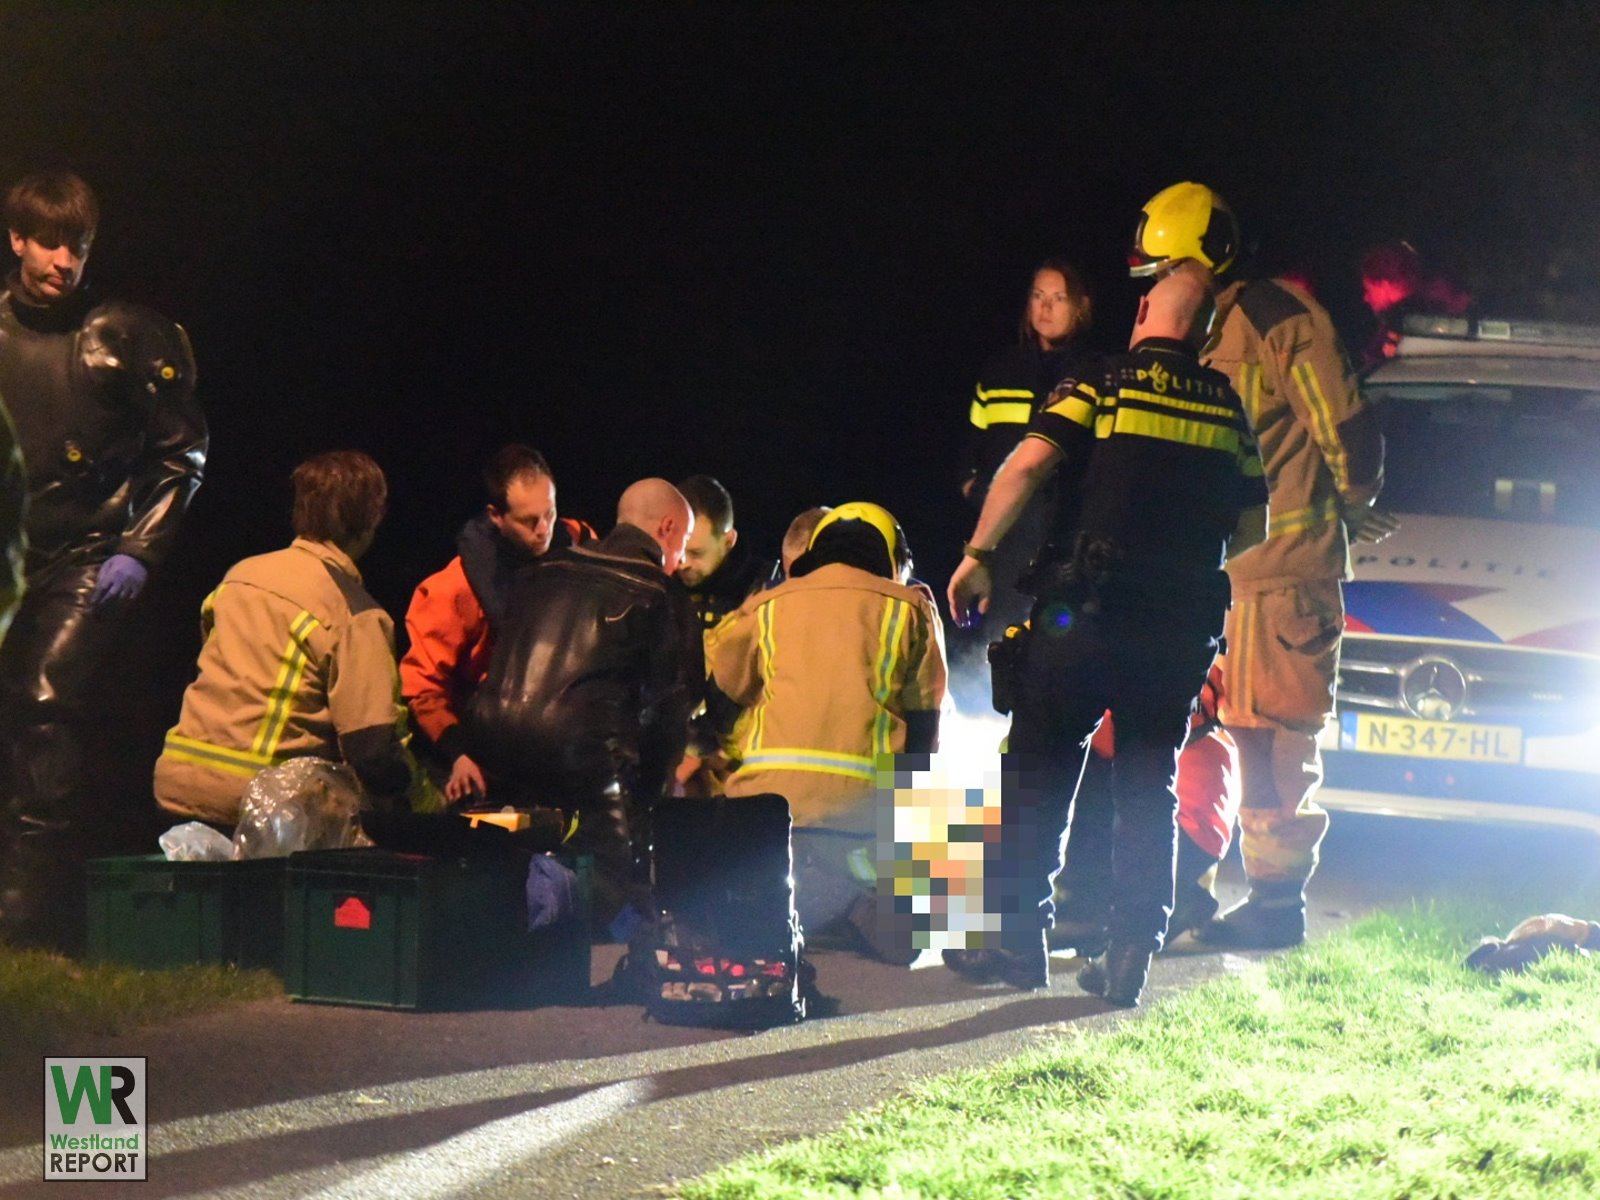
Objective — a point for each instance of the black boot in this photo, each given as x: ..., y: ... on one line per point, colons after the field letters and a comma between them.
x: 43, y: 902
x: 1194, y: 901
x: 1025, y: 967
x: 1119, y: 975
x: 1271, y: 917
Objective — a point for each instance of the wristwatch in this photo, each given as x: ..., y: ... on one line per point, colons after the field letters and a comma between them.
x: 977, y: 552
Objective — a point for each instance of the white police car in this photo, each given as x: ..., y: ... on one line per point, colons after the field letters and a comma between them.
x: 1469, y: 682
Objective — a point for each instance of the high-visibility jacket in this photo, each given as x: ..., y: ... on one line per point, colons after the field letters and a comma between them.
x: 298, y: 660
x: 1321, y: 445
x: 449, y: 633
x: 1014, y: 385
x: 831, y: 664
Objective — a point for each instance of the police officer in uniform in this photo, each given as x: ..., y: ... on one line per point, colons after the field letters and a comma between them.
x: 1160, y: 479
x: 102, y: 396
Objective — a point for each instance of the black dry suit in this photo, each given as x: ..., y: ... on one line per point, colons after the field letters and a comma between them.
x: 596, y: 668
x: 102, y: 398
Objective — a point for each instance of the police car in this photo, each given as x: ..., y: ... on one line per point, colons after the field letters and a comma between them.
x: 1469, y: 681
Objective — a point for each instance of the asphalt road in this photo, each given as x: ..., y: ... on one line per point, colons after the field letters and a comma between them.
x: 278, y: 1099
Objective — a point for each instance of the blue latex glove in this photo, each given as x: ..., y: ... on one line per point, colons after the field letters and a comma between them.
x: 121, y: 578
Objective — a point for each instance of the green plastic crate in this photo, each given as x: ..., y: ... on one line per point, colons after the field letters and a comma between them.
x: 376, y: 928
x: 148, y: 912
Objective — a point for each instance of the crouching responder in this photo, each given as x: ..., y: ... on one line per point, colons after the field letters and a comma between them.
x: 1160, y: 479
x: 596, y: 668
x: 842, y: 667
x: 298, y: 660
x: 720, y: 573
x: 453, y: 612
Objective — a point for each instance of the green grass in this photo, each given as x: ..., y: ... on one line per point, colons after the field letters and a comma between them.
x: 48, y: 1002
x: 1370, y: 1064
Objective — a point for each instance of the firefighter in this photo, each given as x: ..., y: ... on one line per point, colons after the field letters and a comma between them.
x: 1160, y: 478
x: 102, y: 396
x: 298, y: 661
x: 1324, y: 454
x: 841, y: 666
x: 453, y: 612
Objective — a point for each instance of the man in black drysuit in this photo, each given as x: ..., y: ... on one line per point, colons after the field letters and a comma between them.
x: 102, y: 396
x: 596, y: 668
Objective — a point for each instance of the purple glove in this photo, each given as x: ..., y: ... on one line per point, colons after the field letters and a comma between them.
x: 121, y: 578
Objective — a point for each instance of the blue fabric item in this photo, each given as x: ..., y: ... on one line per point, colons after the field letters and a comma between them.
x: 624, y: 924
x: 552, y: 893
x: 121, y: 578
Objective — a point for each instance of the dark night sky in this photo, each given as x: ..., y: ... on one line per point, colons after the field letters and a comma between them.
x: 770, y: 242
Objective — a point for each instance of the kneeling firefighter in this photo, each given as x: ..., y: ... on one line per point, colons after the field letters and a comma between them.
x: 842, y: 667
x: 1160, y: 479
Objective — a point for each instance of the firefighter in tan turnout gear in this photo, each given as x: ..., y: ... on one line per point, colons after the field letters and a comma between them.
x: 1322, y: 448
x: 842, y: 668
x: 298, y: 660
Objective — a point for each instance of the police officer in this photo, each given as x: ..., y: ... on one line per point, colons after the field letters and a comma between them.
x: 101, y: 393
x: 1160, y: 478
x: 1324, y: 450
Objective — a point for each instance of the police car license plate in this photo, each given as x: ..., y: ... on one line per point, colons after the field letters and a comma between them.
x: 1370, y: 733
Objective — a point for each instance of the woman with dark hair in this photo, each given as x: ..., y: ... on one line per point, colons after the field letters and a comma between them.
x: 1014, y: 385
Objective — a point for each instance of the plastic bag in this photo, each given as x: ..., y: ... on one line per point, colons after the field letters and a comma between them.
x: 195, y: 841
x: 303, y: 804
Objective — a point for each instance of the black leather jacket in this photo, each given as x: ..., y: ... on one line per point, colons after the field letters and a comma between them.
x: 596, y: 668
x: 102, y: 397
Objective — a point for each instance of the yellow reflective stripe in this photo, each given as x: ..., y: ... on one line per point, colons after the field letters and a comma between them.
x: 1177, y: 429
x: 1214, y: 410
x: 1250, y: 390
x: 291, y: 670
x: 985, y: 416
x: 234, y: 762
x: 1298, y: 520
x: 1246, y: 667
x: 824, y: 762
x: 1000, y: 406
x: 767, y: 648
x: 1322, y: 424
x: 1074, y: 408
x: 1250, y: 464
x: 889, y: 630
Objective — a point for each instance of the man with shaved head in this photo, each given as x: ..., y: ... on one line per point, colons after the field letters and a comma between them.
x: 1161, y: 479
x: 595, y: 671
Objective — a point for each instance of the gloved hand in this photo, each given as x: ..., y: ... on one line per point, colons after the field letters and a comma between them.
x: 121, y: 578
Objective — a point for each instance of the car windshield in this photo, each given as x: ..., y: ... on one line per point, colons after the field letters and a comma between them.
x: 1509, y: 453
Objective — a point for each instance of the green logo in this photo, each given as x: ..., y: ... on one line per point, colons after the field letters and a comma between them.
x: 116, y: 1085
